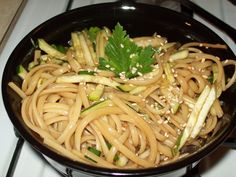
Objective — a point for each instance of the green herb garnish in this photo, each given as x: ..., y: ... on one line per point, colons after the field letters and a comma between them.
x: 124, y: 57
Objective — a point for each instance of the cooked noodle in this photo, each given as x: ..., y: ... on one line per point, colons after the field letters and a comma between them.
x: 138, y: 128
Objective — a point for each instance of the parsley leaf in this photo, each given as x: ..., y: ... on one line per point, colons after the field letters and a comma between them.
x: 124, y: 57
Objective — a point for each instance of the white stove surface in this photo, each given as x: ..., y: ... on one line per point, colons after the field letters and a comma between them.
x: 220, y: 163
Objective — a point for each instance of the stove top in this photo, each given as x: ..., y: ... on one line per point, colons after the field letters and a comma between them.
x: 18, y: 159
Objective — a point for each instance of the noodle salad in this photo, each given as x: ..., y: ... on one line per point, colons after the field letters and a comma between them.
x: 118, y: 102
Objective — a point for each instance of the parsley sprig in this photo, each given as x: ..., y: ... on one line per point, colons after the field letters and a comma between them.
x: 124, y: 57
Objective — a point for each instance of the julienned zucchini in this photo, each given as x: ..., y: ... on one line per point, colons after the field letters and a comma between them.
x: 87, y: 78
x: 31, y: 65
x: 94, y: 79
x: 94, y: 151
x: 77, y: 78
x: 43, y: 45
x: 125, y: 87
x: 168, y: 72
x: 95, y: 106
x: 96, y: 94
x: 179, y: 55
x: 198, y: 115
x: 86, y: 72
x: 21, y: 71
x: 203, y: 113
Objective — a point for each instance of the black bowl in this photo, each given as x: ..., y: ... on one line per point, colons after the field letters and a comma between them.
x: 138, y: 20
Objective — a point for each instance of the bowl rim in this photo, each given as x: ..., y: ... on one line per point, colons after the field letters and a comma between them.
x: 99, y: 170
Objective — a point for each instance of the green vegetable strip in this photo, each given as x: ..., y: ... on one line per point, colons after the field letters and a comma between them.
x: 87, y: 78
x: 204, y: 111
x: 87, y: 55
x: 86, y: 72
x: 193, y: 116
x: 92, y: 32
x: 94, y: 151
x: 21, y: 71
x: 181, y: 54
x: 168, y: 72
x: 95, y: 106
x: 96, y: 94
x: 44, y: 46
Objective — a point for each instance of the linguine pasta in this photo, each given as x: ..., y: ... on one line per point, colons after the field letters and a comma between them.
x: 90, y: 115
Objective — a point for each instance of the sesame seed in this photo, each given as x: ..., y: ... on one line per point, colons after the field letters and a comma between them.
x: 203, y: 60
x: 122, y: 75
x: 166, y: 158
x: 168, y: 112
x: 161, y: 54
x: 133, y: 70
x: 166, y: 134
x: 132, y: 55
x: 166, y: 121
x: 140, y: 74
x: 160, y: 121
